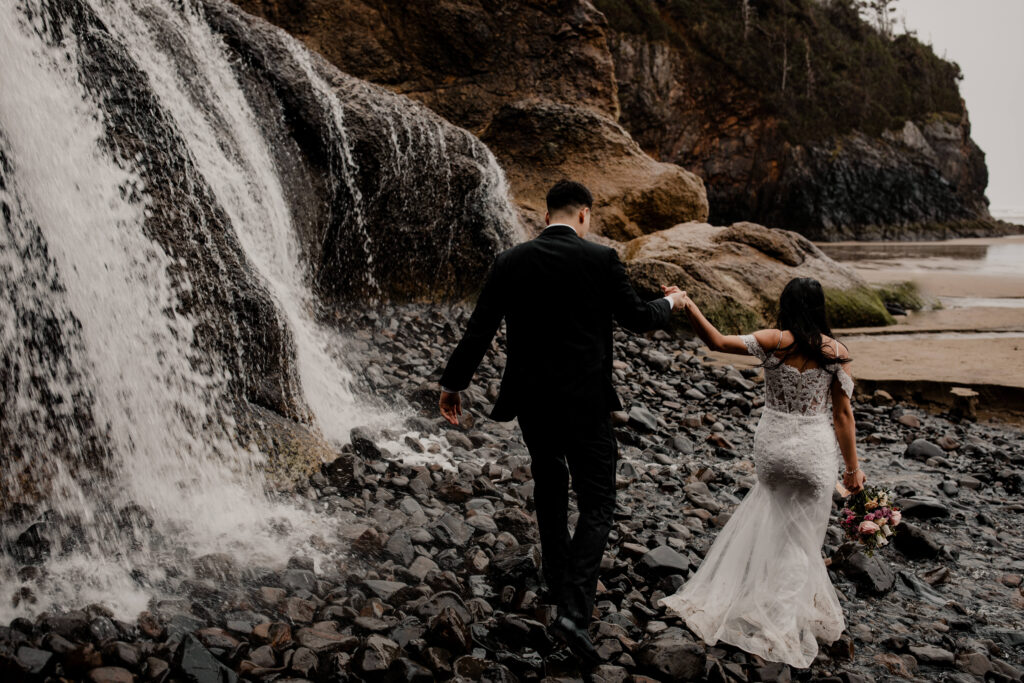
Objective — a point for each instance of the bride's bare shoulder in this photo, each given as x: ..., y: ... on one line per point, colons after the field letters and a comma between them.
x: 833, y: 348
x: 769, y: 338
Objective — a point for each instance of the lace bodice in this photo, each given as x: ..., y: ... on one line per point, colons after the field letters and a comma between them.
x: 789, y: 390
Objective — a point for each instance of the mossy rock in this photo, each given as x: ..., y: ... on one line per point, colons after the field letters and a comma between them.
x: 293, y: 451
x: 906, y: 295
x: 858, y: 307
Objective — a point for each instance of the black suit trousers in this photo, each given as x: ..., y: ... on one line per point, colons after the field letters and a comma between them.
x: 582, y: 448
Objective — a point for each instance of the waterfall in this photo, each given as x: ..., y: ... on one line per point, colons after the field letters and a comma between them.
x: 156, y: 259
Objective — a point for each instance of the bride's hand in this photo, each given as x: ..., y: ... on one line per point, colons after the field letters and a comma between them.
x: 854, y: 481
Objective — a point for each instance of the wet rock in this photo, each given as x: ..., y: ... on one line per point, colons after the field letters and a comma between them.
x: 915, y: 542
x: 869, y: 572
x: 922, y: 449
x: 32, y: 660
x: 299, y: 579
x: 672, y: 657
x: 325, y: 637
x: 448, y: 630
x: 364, y: 444
x: 376, y: 656
x: 111, y: 674
x: 663, y: 561
x: 929, y: 654
x: 404, y: 670
x: 922, y: 508
x: 197, y: 665
x: 518, y: 566
x: 518, y: 523
x: 643, y: 419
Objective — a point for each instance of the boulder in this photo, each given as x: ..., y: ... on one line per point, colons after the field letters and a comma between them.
x: 736, y: 273
x: 672, y: 657
x: 540, y: 141
x: 869, y: 572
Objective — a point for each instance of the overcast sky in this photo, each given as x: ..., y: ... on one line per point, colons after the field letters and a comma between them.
x: 986, y: 38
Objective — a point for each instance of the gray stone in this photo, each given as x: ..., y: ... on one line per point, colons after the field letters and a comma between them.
x: 672, y: 657
x: 199, y: 666
x: 642, y: 419
x: 869, y: 572
x: 922, y: 449
x: 922, y: 508
x: 663, y: 561
x: 929, y: 654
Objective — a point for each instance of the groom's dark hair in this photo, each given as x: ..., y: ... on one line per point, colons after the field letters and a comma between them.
x: 568, y: 194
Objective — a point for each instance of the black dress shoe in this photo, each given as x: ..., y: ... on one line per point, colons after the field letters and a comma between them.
x: 578, y: 640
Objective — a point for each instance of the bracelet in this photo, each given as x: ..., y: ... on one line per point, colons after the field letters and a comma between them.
x: 853, y: 471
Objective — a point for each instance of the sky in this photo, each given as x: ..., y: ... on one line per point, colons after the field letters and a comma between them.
x: 986, y: 38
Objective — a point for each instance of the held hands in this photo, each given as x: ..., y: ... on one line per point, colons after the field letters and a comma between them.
x: 854, y: 481
x: 679, y: 298
x: 451, y: 406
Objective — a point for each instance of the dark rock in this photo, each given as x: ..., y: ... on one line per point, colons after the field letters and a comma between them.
x: 672, y: 657
x: 299, y: 579
x: 404, y: 670
x: 517, y: 566
x: 915, y: 542
x: 869, y: 572
x: 376, y: 656
x: 921, y: 449
x: 643, y: 419
x: 364, y: 444
x: 518, y: 523
x: 922, y: 508
x: 448, y: 630
x: 662, y: 561
x: 33, y: 661
x: 929, y: 654
x: 111, y: 674
x: 197, y: 665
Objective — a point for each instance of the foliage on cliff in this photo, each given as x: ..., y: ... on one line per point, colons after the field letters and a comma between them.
x: 817, y: 65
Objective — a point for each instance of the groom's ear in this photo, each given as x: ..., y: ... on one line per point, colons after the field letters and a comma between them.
x: 547, y: 218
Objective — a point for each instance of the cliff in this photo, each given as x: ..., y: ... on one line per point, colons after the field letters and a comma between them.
x: 794, y: 114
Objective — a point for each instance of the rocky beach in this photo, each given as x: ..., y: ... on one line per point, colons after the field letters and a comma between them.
x: 238, y: 241
x: 429, y: 568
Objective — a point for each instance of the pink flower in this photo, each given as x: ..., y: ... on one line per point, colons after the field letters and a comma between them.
x: 867, y: 527
x: 869, y: 517
x: 895, y: 517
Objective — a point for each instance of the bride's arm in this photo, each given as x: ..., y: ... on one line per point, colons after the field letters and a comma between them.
x: 715, y: 340
x: 846, y: 433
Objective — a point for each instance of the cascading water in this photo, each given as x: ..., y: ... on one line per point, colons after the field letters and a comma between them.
x: 154, y: 254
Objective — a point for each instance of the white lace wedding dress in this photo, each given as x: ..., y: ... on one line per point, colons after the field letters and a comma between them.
x: 763, y: 586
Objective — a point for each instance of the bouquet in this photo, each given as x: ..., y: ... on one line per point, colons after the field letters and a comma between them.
x: 870, y: 518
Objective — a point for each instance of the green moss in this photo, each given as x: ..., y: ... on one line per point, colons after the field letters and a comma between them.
x: 906, y: 295
x: 732, y: 317
x: 860, y: 307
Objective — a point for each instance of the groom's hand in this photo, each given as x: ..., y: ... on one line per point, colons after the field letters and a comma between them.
x: 677, y: 295
x: 451, y: 406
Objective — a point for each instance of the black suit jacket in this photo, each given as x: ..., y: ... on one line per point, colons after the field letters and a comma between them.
x: 558, y: 295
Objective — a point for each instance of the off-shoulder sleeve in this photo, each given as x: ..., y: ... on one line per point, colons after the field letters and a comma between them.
x: 753, y: 347
x: 845, y: 381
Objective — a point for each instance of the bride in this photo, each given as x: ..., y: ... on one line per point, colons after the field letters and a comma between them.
x: 763, y: 586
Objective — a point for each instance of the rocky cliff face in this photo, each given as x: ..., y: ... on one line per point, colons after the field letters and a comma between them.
x: 812, y: 150
x: 925, y: 179
x: 818, y: 151
x: 535, y: 79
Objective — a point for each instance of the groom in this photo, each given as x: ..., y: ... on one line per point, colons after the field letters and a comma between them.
x: 558, y: 295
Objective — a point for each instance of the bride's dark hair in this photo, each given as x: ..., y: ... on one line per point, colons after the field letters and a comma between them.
x: 802, y: 313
